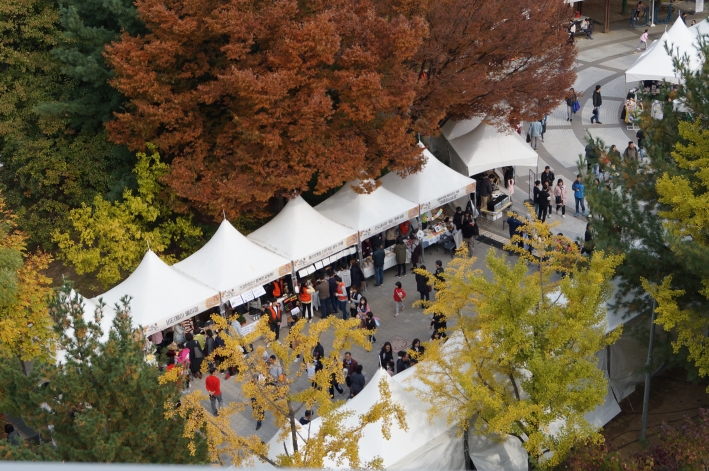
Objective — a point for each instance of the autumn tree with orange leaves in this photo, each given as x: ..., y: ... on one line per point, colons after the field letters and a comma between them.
x: 251, y: 99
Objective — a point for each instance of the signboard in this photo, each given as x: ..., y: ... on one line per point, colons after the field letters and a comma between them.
x: 391, y: 222
x: 325, y: 252
x: 256, y: 283
x: 181, y: 316
x: 447, y: 198
x: 698, y: 6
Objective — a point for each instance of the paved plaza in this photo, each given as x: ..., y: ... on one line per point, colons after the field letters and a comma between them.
x: 601, y: 61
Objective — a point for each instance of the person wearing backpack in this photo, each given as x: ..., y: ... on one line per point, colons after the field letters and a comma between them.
x: 196, y: 356
x: 399, y: 295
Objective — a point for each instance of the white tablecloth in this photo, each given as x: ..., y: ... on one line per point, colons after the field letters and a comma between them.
x: 389, y: 261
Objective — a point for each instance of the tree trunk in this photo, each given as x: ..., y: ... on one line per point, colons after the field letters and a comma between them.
x: 293, y: 434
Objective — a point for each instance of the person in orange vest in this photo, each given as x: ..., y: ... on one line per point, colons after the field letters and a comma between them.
x: 341, y: 294
x: 305, y: 296
x: 274, y: 318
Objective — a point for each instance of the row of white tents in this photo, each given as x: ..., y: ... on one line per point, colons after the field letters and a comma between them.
x: 231, y: 265
x: 656, y: 63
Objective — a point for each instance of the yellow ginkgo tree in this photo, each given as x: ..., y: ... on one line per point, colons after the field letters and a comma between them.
x: 26, y: 328
x: 285, y: 397
x: 110, y: 238
x: 520, y: 360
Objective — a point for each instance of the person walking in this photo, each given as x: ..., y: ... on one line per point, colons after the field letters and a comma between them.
x: 399, y: 295
x: 544, y: 202
x: 422, y: 285
x: 535, y: 133
x: 386, y: 354
x: 597, y: 102
x: 213, y: 385
x: 544, y: 126
x: 578, y: 189
x: 560, y: 195
x: 439, y: 271
x: 547, y: 177
x: 400, y: 252
x: 378, y: 261
x: 323, y: 289
x: 371, y: 325
x: 274, y: 318
x: 468, y: 234
x: 571, y: 99
x: 356, y: 381
x: 306, y: 299
x: 643, y: 41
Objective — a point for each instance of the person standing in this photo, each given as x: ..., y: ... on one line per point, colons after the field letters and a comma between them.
x: 422, y: 284
x: 597, y: 102
x: 640, y: 135
x: 371, y: 325
x: 356, y: 275
x: 390, y: 237
x: 468, y: 234
x: 213, y: 385
x: 571, y: 99
x: 547, y: 176
x: 416, y: 249
x: 510, y: 176
x: 403, y: 363
x: 458, y: 218
x: 332, y: 284
x: 572, y: 32
x: 535, y: 133
x: 258, y: 411
x: 535, y: 195
x: 386, y: 354
x: 349, y: 364
x: 323, y: 288
x: 439, y: 323
x: 341, y: 294
x: 209, y: 345
x: 560, y: 196
x: 587, y: 240
x: 544, y: 201
x: 356, y: 381
x: 631, y: 152
x: 578, y: 189
x: 643, y: 40
x: 439, y: 271
x: 274, y: 318
x: 399, y: 295
x: 305, y: 296
x: 196, y: 356
x: 400, y: 252
x: 305, y: 420
x: 378, y: 261
x: 485, y: 192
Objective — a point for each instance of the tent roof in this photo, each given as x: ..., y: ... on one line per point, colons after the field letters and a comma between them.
x: 89, y: 308
x: 453, y: 129
x: 701, y: 28
x: 656, y: 63
x: 161, y: 296
x: 435, y: 185
x: 303, y: 235
x: 486, y: 148
x: 395, y: 452
x: 232, y: 264
x: 367, y: 213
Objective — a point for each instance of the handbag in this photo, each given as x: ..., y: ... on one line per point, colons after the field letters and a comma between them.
x: 576, y: 106
x: 558, y: 200
x: 198, y: 352
x: 529, y: 138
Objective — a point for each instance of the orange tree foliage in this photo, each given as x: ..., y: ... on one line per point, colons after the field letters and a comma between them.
x: 505, y: 59
x: 250, y: 99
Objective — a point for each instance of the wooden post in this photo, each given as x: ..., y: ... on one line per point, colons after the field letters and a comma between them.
x: 607, y: 17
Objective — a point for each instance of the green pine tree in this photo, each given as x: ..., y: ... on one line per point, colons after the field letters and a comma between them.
x: 104, y: 402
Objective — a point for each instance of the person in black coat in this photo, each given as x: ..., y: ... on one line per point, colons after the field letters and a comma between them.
x: 513, y: 223
x: 356, y: 274
x: 468, y: 234
x: 357, y: 381
x: 386, y: 354
x: 422, y: 284
x: 403, y: 362
x: 319, y: 350
x: 458, y: 218
x: 547, y: 177
x: 544, y: 201
x: 438, y: 323
x: 535, y: 192
x: 196, y: 355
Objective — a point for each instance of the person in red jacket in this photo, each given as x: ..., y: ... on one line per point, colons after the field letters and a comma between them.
x: 213, y: 385
x: 399, y: 295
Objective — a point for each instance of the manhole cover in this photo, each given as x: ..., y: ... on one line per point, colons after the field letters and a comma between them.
x: 397, y: 343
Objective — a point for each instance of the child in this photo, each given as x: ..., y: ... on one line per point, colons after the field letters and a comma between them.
x: 399, y: 295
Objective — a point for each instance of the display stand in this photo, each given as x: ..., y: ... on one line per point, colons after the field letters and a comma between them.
x: 495, y: 215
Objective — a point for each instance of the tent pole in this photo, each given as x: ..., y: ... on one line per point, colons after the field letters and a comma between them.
x: 361, y: 258
x: 648, y: 375
x: 421, y: 229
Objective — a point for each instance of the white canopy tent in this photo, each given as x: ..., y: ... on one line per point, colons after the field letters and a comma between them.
x: 432, y: 187
x: 453, y: 129
x: 369, y: 213
x: 486, y: 147
x: 425, y: 445
x: 232, y: 264
x: 656, y: 63
x: 160, y: 296
x: 701, y: 28
x: 301, y: 234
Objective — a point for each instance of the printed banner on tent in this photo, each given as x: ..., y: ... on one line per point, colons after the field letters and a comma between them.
x: 326, y: 252
x: 391, y: 222
x: 257, y: 282
x: 181, y: 316
x: 447, y: 198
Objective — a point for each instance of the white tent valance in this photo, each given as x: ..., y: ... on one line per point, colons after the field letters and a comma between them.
x: 486, y: 148
x: 432, y: 187
x: 370, y: 213
x: 161, y: 296
x: 232, y: 264
x: 303, y: 235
